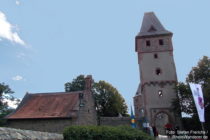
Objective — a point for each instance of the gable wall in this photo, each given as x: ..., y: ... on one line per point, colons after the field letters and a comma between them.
x: 87, y: 113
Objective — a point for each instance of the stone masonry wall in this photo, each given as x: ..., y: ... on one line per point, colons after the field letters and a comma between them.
x: 115, y: 121
x: 48, y: 125
x: 17, y: 134
x: 87, y: 112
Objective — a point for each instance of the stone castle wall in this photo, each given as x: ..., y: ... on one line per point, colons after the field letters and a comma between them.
x: 115, y: 121
x: 44, y: 125
x: 17, y: 134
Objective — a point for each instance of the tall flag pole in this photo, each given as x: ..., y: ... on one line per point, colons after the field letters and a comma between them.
x: 133, y: 123
x: 199, y: 101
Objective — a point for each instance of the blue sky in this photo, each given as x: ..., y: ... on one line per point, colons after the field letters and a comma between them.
x: 45, y: 44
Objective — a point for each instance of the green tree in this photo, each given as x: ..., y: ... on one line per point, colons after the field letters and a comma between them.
x: 5, y: 93
x: 184, y: 100
x: 108, y: 100
x: 199, y: 74
x: 185, y: 104
x: 77, y: 84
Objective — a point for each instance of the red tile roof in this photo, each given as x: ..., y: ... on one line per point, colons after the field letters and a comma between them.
x: 47, y: 105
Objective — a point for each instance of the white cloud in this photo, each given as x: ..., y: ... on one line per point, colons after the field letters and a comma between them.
x: 17, y: 78
x: 6, y: 30
x: 11, y: 104
x: 17, y: 2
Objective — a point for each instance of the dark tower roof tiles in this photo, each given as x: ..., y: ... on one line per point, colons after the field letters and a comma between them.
x: 151, y: 26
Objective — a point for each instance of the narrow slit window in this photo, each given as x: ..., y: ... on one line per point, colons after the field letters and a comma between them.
x: 148, y: 43
x: 161, y: 42
x: 155, y: 56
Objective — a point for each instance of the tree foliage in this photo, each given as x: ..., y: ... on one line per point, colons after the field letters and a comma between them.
x: 5, y: 93
x: 185, y: 100
x: 199, y: 74
x: 77, y: 84
x: 108, y: 100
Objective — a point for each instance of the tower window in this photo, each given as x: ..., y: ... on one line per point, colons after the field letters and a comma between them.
x: 161, y: 42
x: 148, y: 43
x: 160, y: 93
x: 158, y: 71
x: 155, y: 56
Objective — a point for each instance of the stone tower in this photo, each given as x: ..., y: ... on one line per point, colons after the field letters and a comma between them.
x: 158, y: 78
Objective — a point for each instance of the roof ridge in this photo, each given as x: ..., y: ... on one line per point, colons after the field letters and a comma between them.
x: 72, y: 92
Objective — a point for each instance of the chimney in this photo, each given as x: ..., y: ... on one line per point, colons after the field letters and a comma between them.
x: 88, y: 82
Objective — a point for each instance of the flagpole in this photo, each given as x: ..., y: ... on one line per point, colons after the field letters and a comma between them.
x: 203, y: 129
x: 202, y: 125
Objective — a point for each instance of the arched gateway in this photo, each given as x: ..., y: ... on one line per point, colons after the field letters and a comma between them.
x: 160, y: 120
x: 158, y: 76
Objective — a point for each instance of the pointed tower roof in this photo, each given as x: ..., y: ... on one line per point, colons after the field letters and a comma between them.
x: 151, y: 26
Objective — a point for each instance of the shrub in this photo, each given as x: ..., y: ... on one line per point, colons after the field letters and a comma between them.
x: 104, y: 133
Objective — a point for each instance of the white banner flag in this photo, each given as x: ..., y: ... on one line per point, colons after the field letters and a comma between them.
x: 198, y: 98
